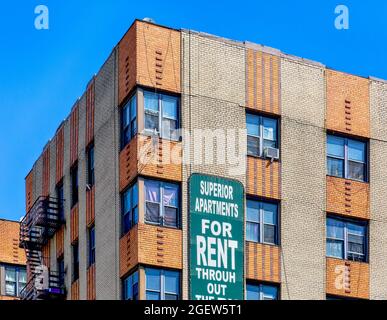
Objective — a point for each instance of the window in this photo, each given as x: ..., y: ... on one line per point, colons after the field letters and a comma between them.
x: 90, y: 166
x: 129, y: 121
x: 75, y: 261
x: 346, y: 158
x: 261, y: 292
x: 60, y: 197
x: 131, y: 287
x: 162, y: 284
x: 130, y: 208
x: 262, y: 222
x: 346, y: 239
x: 74, y: 185
x: 161, y: 114
x: 15, y: 280
x: 91, y: 245
x: 162, y: 203
x: 61, y: 269
x: 262, y: 132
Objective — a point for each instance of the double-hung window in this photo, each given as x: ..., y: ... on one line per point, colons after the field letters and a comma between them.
x: 262, y: 222
x: 91, y: 245
x: 74, y: 185
x: 262, y: 132
x: 261, y: 292
x: 130, y: 208
x: 131, y: 287
x: 346, y: 158
x: 162, y: 284
x: 15, y: 280
x: 90, y: 165
x: 346, y: 239
x: 162, y: 203
x: 161, y: 114
x: 129, y: 121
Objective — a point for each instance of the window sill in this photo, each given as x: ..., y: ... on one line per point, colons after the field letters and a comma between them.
x: 263, y: 243
x: 350, y: 179
x: 346, y: 260
x: 262, y: 158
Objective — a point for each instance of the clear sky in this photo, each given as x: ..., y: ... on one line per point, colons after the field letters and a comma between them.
x: 42, y: 73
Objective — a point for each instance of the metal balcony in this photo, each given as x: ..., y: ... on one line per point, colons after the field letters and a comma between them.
x: 41, y: 223
x: 44, y: 286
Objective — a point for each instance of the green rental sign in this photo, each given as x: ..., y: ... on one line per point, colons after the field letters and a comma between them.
x: 216, y: 238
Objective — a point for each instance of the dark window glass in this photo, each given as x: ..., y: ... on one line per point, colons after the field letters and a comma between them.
x: 162, y: 284
x: 131, y: 287
x: 129, y: 120
x: 75, y: 261
x: 91, y: 245
x: 90, y: 166
x: 74, y: 185
x: 261, y: 292
x: 60, y: 199
x: 61, y: 269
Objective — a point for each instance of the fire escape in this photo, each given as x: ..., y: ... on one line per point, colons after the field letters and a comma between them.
x: 36, y: 229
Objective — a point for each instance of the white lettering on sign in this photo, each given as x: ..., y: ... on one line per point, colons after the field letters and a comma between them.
x: 217, y: 190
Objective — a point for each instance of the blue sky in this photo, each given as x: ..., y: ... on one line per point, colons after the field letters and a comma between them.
x: 42, y: 73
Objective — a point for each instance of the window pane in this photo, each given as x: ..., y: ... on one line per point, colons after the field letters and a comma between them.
x: 269, y: 129
x: 152, y: 295
x: 171, y: 296
x: 170, y: 196
x: 335, y: 146
x: 335, y: 229
x: 151, y: 122
x: 10, y: 289
x: 152, y: 191
x: 169, y: 129
x: 126, y: 115
x: 127, y: 201
x: 269, y: 144
x: 355, y: 244
x: 252, y: 211
x: 335, y: 167
x: 269, y: 213
x: 252, y: 146
x: 269, y: 292
x: 151, y: 101
x: 171, y: 282
x: 252, y: 232
x: 169, y: 107
x: 10, y: 274
x: 135, y: 195
x: 269, y: 234
x: 252, y: 125
x: 152, y: 279
x: 22, y: 276
x: 170, y: 217
x: 335, y: 248
x: 356, y: 229
x: 152, y: 213
x: 133, y: 108
x: 252, y: 292
x: 356, y: 150
x: 356, y: 170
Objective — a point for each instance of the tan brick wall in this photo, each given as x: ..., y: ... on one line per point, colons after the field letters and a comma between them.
x: 348, y: 108
x: 263, y: 262
x: 349, y: 198
x: 378, y: 198
x: 347, y: 278
x: 303, y: 173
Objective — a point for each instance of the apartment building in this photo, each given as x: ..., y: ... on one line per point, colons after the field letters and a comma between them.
x: 108, y: 217
x: 13, y: 274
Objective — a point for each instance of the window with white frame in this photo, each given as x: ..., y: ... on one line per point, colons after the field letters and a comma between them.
x: 162, y: 284
x: 131, y: 287
x: 261, y: 292
x: 15, y: 280
x: 262, y: 132
x: 346, y: 158
x: 346, y: 239
x: 162, y: 203
x: 161, y: 114
x: 261, y: 222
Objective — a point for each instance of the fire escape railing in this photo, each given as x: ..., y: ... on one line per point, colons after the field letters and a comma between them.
x: 36, y: 229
